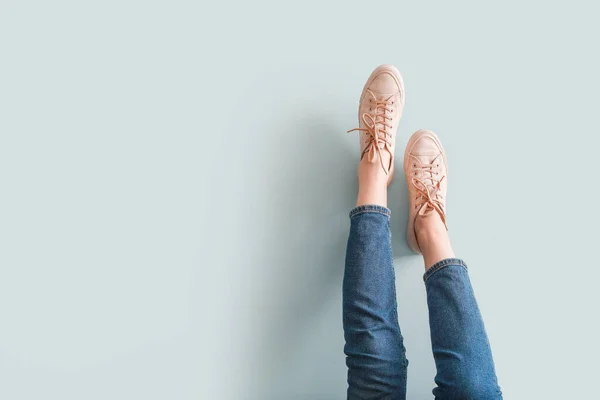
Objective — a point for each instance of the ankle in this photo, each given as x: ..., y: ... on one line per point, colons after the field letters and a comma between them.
x: 430, y: 228
x: 372, y: 193
x: 372, y: 184
x: 433, y: 239
x: 371, y: 173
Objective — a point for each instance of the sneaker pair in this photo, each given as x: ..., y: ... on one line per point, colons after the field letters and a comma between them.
x: 425, y: 166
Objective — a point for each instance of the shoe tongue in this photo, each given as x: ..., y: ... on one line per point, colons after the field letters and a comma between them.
x: 380, y: 96
x: 425, y: 158
x: 427, y: 210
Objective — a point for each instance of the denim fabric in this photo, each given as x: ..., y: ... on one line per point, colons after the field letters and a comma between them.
x: 375, y: 354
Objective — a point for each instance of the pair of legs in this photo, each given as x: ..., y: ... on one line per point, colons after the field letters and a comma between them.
x: 376, y: 360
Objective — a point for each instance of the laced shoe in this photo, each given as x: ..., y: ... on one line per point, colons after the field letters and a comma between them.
x: 426, y: 172
x: 379, y: 111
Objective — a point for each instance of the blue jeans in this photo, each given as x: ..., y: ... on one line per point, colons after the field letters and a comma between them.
x: 376, y: 359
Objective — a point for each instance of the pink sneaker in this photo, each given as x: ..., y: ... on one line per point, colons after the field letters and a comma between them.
x: 379, y: 111
x: 426, y: 172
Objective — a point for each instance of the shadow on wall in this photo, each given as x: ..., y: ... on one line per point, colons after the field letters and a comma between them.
x: 398, y: 204
x: 300, y: 339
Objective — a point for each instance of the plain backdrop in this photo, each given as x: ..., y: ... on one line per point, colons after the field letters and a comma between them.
x: 176, y: 177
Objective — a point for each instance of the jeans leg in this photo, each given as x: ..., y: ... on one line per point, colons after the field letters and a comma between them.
x: 463, y: 358
x: 375, y: 352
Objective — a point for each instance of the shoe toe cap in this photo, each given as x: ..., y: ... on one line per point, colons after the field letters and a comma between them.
x: 426, y: 145
x: 385, y: 80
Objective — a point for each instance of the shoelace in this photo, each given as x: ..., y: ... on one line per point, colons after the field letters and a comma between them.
x: 375, y: 127
x: 429, y: 198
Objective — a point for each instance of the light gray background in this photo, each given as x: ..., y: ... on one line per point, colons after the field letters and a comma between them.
x: 175, y: 180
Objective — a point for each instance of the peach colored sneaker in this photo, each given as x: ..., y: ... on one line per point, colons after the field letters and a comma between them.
x: 426, y: 172
x: 379, y: 111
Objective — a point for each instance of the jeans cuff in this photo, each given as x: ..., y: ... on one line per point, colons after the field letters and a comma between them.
x: 370, y: 208
x: 443, y: 264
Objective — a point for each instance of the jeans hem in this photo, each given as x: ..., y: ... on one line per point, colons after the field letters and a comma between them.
x: 443, y: 264
x: 370, y: 208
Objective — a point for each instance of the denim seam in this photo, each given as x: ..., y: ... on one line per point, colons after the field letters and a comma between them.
x: 369, y: 211
x: 403, y: 349
x: 443, y: 264
x: 370, y: 208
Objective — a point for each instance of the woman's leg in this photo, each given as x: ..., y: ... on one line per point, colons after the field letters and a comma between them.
x: 375, y: 353
x: 465, y: 368
x: 463, y: 358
